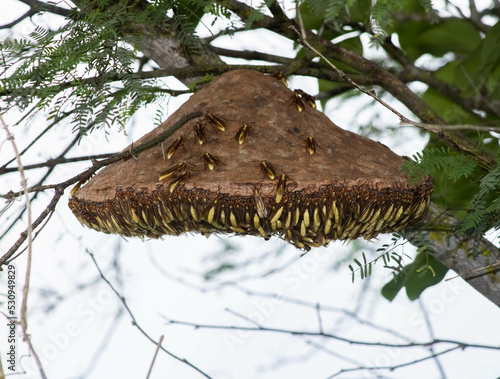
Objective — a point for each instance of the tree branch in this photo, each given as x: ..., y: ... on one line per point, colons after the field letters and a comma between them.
x: 31, y: 12
x: 136, y: 324
x: 458, y: 253
x: 251, y: 55
x: 350, y: 341
x: 39, y: 6
x: 55, y: 161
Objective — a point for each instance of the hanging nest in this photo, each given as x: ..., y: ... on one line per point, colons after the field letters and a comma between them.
x: 262, y: 161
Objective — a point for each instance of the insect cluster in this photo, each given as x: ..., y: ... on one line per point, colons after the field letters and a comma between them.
x: 225, y: 173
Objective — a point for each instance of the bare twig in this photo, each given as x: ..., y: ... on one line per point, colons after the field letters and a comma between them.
x: 154, y: 356
x: 34, y: 237
x: 435, y: 127
x: 394, y: 367
x: 46, y: 212
x: 320, y: 322
x: 486, y: 269
x: 24, y: 304
x: 134, y: 321
x: 56, y: 161
x: 431, y: 335
x: 292, y: 332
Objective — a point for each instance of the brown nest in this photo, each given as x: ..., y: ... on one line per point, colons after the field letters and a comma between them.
x: 262, y: 161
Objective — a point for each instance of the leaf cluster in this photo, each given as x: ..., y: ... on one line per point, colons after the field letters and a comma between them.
x: 432, y: 160
x: 392, y: 259
x: 482, y: 187
x: 423, y: 272
x: 86, y: 68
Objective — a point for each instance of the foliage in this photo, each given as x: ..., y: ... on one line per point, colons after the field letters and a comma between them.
x: 392, y: 259
x: 423, y: 272
x: 433, y: 160
x: 85, y: 69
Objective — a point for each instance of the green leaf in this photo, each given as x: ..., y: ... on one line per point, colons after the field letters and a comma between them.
x: 485, y: 58
x: 431, y: 272
x: 424, y: 272
x: 420, y: 37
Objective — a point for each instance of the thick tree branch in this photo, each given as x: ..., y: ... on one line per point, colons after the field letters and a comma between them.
x: 31, y: 12
x: 457, y: 254
x: 251, y: 55
x: 39, y: 6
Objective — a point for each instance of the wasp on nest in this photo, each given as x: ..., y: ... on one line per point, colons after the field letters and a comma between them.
x: 251, y: 165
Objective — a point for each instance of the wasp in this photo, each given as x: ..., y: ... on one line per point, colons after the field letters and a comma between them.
x: 210, y: 160
x: 306, y: 97
x: 167, y: 174
x: 310, y: 145
x: 242, y: 133
x: 259, y: 203
x: 174, y: 146
x: 297, y: 100
x: 178, y: 179
x: 280, y: 76
x: 217, y: 122
x: 277, y: 215
x: 280, y: 188
x: 268, y: 169
x: 79, y: 184
x: 199, y: 132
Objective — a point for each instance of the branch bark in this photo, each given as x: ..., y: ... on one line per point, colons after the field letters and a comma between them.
x: 458, y: 254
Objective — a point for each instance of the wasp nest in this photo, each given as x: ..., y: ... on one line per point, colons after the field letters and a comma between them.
x: 261, y: 160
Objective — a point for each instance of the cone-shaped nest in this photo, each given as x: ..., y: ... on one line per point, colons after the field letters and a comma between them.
x: 262, y: 161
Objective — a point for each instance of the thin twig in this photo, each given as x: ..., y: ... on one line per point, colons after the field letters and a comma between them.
x: 133, y: 151
x: 247, y: 319
x: 154, y: 356
x: 34, y: 238
x: 391, y: 368
x: 435, y: 127
x: 431, y: 335
x: 134, y: 321
x: 46, y: 212
x: 60, y: 187
x: 292, y: 332
x: 486, y: 268
x: 24, y: 304
x: 56, y: 161
x: 320, y: 322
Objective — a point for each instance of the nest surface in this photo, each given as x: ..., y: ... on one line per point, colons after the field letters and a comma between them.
x: 261, y: 160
